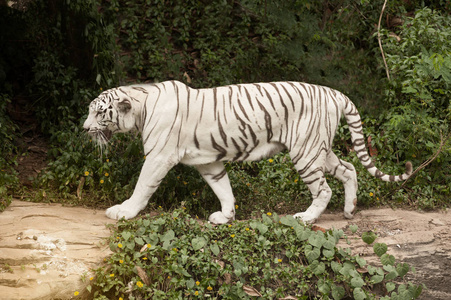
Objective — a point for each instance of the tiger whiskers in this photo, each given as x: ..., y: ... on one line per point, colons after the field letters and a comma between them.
x: 101, y: 142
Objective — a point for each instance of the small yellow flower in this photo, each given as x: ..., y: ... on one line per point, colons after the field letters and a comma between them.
x: 196, y: 293
x: 230, y: 225
x: 76, y: 293
x: 106, y: 174
x: 121, y: 261
x: 279, y: 260
x: 209, y: 288
x: 86, y: 173
x: 92, y: 278
x: 107, y: 160
x: 248, y: 184
x: 149, y: 245
x: 194, y: 194
x: 140, y: 284
x: 175, y: 249
x: 236, y: 206
x: 371, y: 194
x: 197, y: 282
x: 169, y: 277
x: 296, y: 180
x: 120, y: 298
x: 232, y: 235
x: 247, y: 229
x: 144, y: 258
x: 144, y: 157
x: 119, y: 245
x: 413, y: 155
x: 111, y: 275
x: 101, y: 89
x: 185, y: 183
x: 377, y: 198
x: 269, y: 214
x: 101, y: 181
x: 271, y: 160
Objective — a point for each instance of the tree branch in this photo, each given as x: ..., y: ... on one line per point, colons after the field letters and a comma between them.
x: 379, y: 39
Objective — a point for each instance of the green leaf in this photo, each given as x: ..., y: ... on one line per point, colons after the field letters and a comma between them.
x: 357, y: 282
x: 214, y: 249
x: 353, y: 228
x: 361, y: 261
x: 317, y: 239
x: 328, y: 253
x: 392, y: 275
x: 338, y: 292
x: 289, y: 221
x: 369, y: 237
x: 347, y: 268
x: 359, y: 294
x: 387, y: 259
x: 262, y: 228
x: 139, y: 241
x: 317, y: 267
x: 311, y: 253
x: 198, y: 243
x: 323, y: 287
x: 330, y: 242
x: 380, y: 249
x: 415, y: 290
x: 336, y: 266
x: 98, y: 78
x: 302, y: 233
x: 377, y: 278
x: 168, y: 236
x: 126, y: 235
x: 390, y: 286
x: 402, y: 269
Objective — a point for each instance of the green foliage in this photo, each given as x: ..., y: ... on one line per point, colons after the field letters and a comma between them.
x: 173, y: 256
x: 8, y: 176
x: 419, y: 94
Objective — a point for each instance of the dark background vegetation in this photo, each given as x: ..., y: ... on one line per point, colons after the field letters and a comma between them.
x: 56, y: 56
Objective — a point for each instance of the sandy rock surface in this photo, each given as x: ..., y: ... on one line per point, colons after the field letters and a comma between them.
x: 45, y: 249
x: 423, y: 240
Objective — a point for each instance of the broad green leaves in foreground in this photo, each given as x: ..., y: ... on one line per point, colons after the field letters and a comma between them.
x: 174, y: 256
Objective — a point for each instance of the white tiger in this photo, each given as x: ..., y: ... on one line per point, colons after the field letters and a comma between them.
x: 243, y: 122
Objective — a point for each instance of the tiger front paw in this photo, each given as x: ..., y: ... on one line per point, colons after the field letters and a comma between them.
x: 219, y: 218
x: 305, y: 217
x: 121, y: 211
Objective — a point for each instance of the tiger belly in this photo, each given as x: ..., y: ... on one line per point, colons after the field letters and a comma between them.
x: 208, y: 155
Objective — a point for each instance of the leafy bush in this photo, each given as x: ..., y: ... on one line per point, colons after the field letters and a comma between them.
x: 8, y: 176
x: 173, y: 256
x: 419, y: 111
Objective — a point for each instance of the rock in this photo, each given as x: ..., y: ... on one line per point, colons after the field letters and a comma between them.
x: 421, y: 239
x: 46, y: 249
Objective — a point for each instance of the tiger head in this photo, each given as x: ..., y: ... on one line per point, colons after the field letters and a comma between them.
x: 109, y: 113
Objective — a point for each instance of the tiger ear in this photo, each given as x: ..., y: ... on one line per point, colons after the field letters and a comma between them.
x: 124, y: 105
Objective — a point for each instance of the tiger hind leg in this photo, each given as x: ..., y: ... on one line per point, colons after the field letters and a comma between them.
x: 313, y: 176
x: 345, y: 172
x: 216, y: 177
